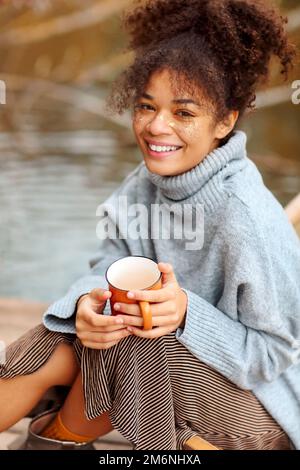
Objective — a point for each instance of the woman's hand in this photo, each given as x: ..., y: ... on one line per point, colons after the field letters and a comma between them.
x: 168, y: 311
x: 95, y: 330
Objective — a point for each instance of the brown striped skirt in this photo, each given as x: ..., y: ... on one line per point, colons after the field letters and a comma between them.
x: 157, y: 393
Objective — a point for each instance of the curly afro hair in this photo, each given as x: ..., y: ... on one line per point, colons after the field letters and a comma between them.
x: 221, y: 47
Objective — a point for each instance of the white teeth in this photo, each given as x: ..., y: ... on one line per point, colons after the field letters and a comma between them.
x: 158, y: 148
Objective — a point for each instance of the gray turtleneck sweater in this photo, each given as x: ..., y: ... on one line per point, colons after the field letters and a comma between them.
x: 242, y: 283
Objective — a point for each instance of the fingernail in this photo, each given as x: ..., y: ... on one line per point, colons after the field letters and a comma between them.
x: 119, y: 320
x: 117, y: 306
x: 129, y: 329
x: 130, y: 295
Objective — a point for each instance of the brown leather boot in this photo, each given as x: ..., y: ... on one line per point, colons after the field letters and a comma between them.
x: 34, y: 441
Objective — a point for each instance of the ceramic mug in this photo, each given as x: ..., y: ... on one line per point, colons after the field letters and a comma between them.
x: 130, y: 273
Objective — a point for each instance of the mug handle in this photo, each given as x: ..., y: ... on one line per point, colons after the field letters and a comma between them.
x: 146, y: 313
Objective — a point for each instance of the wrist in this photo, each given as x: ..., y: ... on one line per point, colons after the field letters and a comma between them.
x: 184, y: 308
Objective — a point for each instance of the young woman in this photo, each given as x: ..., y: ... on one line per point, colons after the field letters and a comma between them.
x: 222, y: 360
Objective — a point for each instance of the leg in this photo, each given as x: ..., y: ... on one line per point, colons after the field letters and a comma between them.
x: 20, y: 394
x: 73, y: 417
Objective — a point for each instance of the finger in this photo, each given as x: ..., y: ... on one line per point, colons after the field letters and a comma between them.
x: 158, y: 295
x: 98, y: 298
x: 157, y: 309
x: 168, y: 273
x: 150, y: 334
x: 100, y: 295
x: 163, y: 313
x: 99, y: 346
x: 93, y: 345
x: 96, y: 320
x: 167, y: 321
x: 83, y: 326
x: 132, y: 320
x: 167, y: 308
x: 96, y: 337
x: 129, y: 309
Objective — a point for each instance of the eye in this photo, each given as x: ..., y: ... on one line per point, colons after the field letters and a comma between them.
x: 143, y: 106
x: 185, y: 114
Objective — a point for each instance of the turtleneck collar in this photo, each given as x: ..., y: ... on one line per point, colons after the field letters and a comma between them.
x: 205, y: 179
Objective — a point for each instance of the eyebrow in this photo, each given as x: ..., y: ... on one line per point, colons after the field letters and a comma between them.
x: 177, y: 101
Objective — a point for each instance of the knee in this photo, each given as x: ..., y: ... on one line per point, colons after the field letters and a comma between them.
x: 61, y: 368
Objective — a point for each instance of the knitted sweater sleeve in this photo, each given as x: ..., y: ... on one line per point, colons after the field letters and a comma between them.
x: 252, y: 334
x: 60, y: 315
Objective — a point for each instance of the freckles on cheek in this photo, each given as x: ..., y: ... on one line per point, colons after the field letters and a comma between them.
x: 138, y: 125
x: 192, y: 132
x: 138, y: 120
x: 172, y: 124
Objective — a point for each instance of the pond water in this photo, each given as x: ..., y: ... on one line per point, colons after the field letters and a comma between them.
x: 62, y: 162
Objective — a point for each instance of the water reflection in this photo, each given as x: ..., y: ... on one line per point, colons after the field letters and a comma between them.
x: 274, y: 145
x: 48, y: 204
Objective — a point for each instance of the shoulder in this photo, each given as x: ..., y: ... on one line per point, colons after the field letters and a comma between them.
x: 253, y: 216
x: 132, y: 179
x: 134, y: 184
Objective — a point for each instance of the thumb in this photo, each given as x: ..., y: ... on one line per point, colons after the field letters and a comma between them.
x: 168, y: 273
x: 100, y: 295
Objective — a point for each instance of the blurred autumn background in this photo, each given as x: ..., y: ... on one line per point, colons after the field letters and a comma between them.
x: 61, y: 155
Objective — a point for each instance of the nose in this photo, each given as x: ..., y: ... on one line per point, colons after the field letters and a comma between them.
x: 159, y: 125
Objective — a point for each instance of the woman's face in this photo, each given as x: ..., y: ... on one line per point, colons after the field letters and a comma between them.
x: 174, y: 133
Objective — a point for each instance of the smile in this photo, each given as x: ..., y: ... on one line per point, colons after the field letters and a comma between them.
x: 161, y: 150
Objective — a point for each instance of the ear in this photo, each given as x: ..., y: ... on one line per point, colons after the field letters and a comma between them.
x: 224, y: 127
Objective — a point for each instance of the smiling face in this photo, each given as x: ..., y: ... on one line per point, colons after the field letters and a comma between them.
x: 175, y: 133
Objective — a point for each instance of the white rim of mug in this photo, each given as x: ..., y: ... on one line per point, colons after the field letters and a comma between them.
x: 131, y: 256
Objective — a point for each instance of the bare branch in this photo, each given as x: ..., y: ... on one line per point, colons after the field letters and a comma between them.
x: 273, y: 96
x: 106, y: 70
x: 85, y: 18
x: 63, y: 24
x: 86, y: 101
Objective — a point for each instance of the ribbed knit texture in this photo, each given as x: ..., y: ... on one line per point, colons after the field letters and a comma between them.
x: 243, y: 285
x: 57, y: 430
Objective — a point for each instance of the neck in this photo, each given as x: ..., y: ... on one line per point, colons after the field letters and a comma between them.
x: 205, y: 181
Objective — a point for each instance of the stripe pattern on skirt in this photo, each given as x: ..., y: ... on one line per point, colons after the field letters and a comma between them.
x: 157, y: 393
